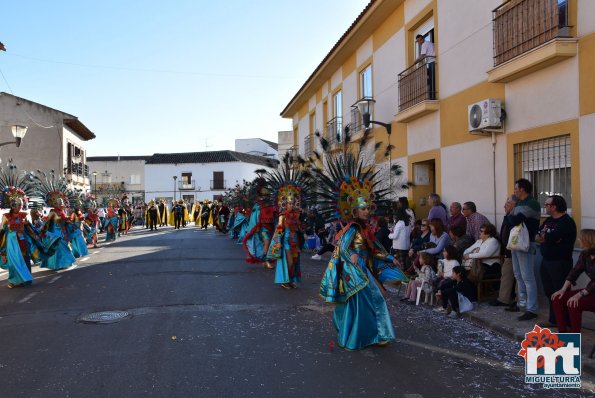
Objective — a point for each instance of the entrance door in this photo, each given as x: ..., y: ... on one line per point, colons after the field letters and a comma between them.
x: 424, y: 183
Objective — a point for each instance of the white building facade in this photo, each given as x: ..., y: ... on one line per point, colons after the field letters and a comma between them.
x: 257, y: 146
x: 544, y: 83
x: 199, y: 175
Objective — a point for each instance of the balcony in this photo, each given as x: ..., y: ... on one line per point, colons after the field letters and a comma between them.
x: 187, y: 185
x: 307, y: 146
x: 417, y: 91
x: 334, y: 130
x: 529, y: 35
x: 218, y: 185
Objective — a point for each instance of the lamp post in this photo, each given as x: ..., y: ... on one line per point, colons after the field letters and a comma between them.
x: 175, y: 178
x: 95, y: 183
x: 18, y: 132
x: 366, y: 108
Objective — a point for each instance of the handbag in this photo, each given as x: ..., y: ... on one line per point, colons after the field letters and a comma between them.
x: 464, y: 304
x: 519, y: 238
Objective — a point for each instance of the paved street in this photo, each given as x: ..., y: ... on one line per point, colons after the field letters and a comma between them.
x: 203, y: 323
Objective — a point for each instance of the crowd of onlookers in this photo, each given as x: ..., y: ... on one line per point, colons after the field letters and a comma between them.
x: 450, y: 253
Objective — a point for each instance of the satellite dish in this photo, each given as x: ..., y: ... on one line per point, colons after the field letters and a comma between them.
x: 475, y: 116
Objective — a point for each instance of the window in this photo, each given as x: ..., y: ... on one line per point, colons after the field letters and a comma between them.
x: 365, y: 82
x: 218, y: 181
x: 186, y: 178
x: 338, y: 111
x: 547, y: 164
x: 134, y: 179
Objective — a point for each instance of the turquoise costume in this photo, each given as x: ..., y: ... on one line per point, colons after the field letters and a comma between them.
x: 56, y: 228
x: 349, y: 190
x: 15, y: 249
x: 78, y: 243
x: 112, y: 220
x: 361, y: 316
x: 286, y: 243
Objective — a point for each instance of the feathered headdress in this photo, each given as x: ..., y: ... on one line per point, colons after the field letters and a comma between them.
x: 90, y: 201
x: 344, y: 184
x: 113, y: 202
x: 289, y: 183
x: 52, y: 188
x: 16, y: 186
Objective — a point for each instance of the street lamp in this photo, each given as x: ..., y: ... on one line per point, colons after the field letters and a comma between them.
x: 175, y: 178
x: 95, y: 178
x: 366, y: 108
x: 18, y: 132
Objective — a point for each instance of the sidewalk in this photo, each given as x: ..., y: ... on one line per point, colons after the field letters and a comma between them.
x: 506, y: 323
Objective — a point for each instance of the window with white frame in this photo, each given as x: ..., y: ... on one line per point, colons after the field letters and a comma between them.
x: 547, y: 164
x: 338, y: 112
x: 365, y: 82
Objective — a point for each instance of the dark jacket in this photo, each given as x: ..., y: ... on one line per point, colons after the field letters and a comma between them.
x: 559, y: 235
x: 528, y: 211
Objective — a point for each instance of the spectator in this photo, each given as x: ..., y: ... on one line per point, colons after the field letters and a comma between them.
x: 570, y: 304
x: 404, y: 204
x: 428, y: 54
x: 101, y: 215
x: 438, y: 239
x: 437, y: 210
x: 329, y: 246
x: 507, y: 281
x: 426, y: 273
x: 445, y: 266
x: 556, y: 238
x: 474, y: 219
x: 461, y: 241
x: 485, y: 247
x: 383, y: 234
x: 527, y: 211
x: 456, y: 217
x: 450, y: 295
x: 401, y: 237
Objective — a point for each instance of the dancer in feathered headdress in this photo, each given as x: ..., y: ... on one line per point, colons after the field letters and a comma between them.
x: 91, y: 219
x: 78, y: 242
x: 17, y: 237
x: 112, y: 220
x: 261, y: 224
x: 289, y: 188
x: 350, y: 192
x: 54, y: 190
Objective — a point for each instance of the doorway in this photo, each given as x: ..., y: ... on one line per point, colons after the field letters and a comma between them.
x: 424, y: 179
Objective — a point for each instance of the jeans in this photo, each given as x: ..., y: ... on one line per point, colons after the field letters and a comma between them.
x: 523, y: 266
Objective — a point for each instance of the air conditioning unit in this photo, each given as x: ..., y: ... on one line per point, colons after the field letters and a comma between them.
x: 485, y: 115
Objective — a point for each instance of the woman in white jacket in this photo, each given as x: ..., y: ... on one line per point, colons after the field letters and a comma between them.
x: 485, y: 247
x: 401, y: 236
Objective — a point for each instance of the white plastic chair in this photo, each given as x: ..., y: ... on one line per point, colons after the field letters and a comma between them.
x: 419, y: 290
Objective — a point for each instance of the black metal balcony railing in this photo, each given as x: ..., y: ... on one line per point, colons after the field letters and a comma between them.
x: 334, y: 130
x: 417, y: 83
x: 187, y: 185
x: 218, y: 185
x: 356, y: 120
x: 78, y: 169
x: 521, y: 25
x: 307, y: 146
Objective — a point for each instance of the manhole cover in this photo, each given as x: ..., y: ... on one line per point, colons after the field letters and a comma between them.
x: 103, y: 317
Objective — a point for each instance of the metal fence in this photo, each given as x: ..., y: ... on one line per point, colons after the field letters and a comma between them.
x: 547, y: 163
x: 334, y: 130
x: 521, y: 25
x: 417, y: 83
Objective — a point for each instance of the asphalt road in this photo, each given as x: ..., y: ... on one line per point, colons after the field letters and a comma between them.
x: 203, y: 323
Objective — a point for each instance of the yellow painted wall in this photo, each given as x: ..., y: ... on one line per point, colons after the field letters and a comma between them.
x: 454, y: 127
x: 349, y: 66
x: 303, y: 110
x: 586, y: 62
x: 552, y: 130
x: 389, y: 27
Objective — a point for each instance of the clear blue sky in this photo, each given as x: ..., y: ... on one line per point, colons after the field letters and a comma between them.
x: 156, y: 76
